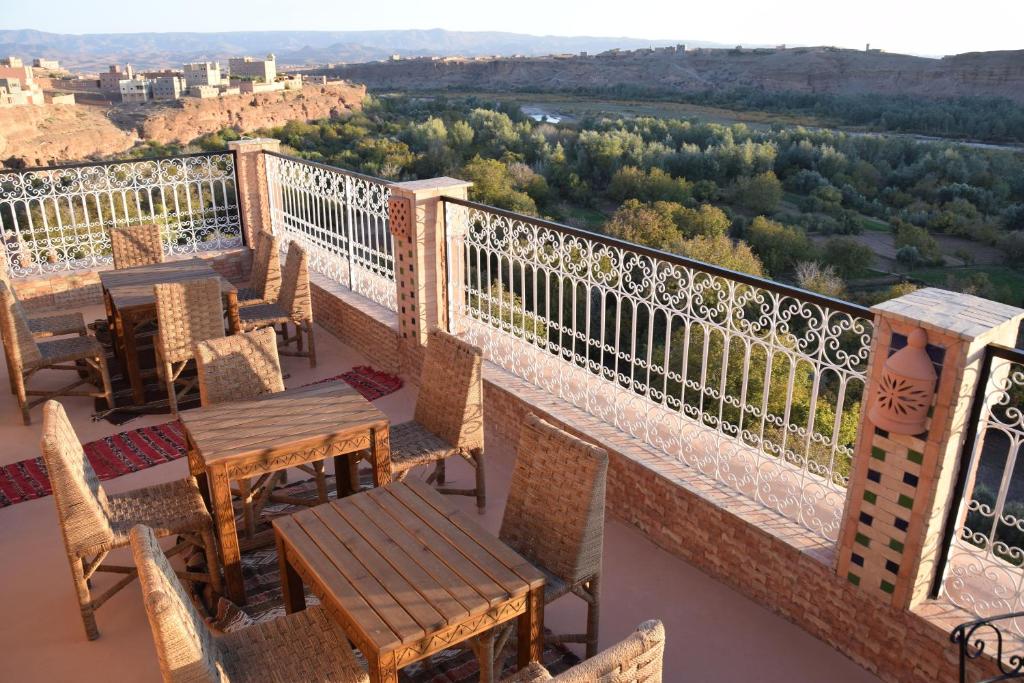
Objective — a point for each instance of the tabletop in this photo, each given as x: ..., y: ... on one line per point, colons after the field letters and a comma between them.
x: 132, y: 287
x: 288, y: 420
x: 406, y: 571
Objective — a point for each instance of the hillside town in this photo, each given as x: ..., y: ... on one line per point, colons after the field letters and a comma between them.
x: 45, y: 83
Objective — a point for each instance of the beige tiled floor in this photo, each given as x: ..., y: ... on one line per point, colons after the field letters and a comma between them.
x: 714, y: 634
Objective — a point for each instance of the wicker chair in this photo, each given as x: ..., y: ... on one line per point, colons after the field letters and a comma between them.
x: 187, y: 313
x: 449, y: 416
x: 137, y: 245
x: 294, y: 305
x: 43, y: 326
x: 554, y: 518
x: 265, y: 279
x: 94, y: 523
x: 239, y: 368
x: 304, y: 646
x: 637, y: 659
x: 28, y: 356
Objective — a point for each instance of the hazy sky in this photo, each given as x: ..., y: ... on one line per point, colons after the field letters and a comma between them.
x: 932, y: 27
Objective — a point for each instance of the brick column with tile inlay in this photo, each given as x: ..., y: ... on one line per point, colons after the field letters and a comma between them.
x: 251, y: 175
x: 901, y: 487
x: 416, y: 215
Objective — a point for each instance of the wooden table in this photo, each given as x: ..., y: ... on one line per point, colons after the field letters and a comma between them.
x: 239, y: 440
x: 130, y: 301
x: 406, y: 574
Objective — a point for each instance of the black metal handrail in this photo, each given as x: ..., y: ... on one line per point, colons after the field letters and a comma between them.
x: 973, y: 645
x: 745, y: 278
x: 333, y: 169
x: 114, y: 162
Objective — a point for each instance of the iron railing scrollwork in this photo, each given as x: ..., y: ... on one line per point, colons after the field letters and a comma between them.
x: 981, y: 565
x: 341, y: 218
x: 57, y: 218
x: 984, y: 637
x: 747, y: 381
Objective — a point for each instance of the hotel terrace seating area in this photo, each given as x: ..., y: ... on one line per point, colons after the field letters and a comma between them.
x: 321, y: 426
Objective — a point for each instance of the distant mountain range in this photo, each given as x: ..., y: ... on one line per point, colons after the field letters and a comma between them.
x: 94, y: 51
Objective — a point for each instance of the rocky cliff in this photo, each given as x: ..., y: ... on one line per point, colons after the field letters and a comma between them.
x: 196, y: 117
x: 43, y: 136
x: 811, y: 70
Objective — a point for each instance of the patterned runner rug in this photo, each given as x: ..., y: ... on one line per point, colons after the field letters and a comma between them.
x: 263, y: 589
x: 139, y: 449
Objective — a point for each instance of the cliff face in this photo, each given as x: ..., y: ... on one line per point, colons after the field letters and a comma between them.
x: 42, y: 136
x: 813, y: 70
x: 197, y: 117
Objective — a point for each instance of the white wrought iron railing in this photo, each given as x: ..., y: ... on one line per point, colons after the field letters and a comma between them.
x: 747, y: 381
x: 341, y: 218
x: 57, y: 218
x: 983, y: 568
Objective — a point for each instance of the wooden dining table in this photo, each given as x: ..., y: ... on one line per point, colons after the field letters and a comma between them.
x: 245, y: 439
x: 131, y: 302
x: 406, y: 574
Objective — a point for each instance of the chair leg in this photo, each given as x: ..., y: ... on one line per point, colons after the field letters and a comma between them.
x: 172, y: 392
x: 19, y: 389
x: 321, y: 481
x: 593, y: 614
x: 108, y: 390
x: 483, y: 647
x: 248, y: 513
x: 212, y: 565
x: 481, y: 480
x: 308, y: 324
x: 84, y: 598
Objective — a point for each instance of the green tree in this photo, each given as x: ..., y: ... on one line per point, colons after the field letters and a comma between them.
x: 649, y: 224
x: 705, y: 220
x: 813, y: 276
x: 780, y: 246
x: 721, y: 251
x: 493, y: 184
x: 848, y: 256
x: 761, y: 193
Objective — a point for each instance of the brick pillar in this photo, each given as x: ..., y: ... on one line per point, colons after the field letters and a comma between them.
x: 901, y: 488
x: 416, y: 218
x: 251, y: 173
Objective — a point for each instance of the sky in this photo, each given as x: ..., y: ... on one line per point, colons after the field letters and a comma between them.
x: 932, y: 27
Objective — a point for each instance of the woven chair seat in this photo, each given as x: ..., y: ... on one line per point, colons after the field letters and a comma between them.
x: 531, y: 674
x: 247, y: 296
x: 304, y: 646
x: 57, y: 325
x: 263, y: 315
x: 62, y: 350
x: 412, y: 445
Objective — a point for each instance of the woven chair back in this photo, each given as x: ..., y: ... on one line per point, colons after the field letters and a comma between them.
x: 555, y: 510
x: 239, y: 367
x: 136, y: 245
x: 295, y: 297
x: 14, y: 321
x: 266, y: 266
x: 187, y: 312
x: 450, y: 401
x: 82, y: 504
x: 637, y: 659
x: 186, y: 648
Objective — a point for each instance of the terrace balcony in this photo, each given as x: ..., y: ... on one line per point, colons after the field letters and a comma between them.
x: 754, y: 506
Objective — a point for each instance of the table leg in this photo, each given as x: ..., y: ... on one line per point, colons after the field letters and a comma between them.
x: 131, y: 358
x: 344, y: 484
x: 197, y: 469
x: 382, y: 669
x: 234, y: 321
x: 292, y: 593
x: 227, y: 535
x: 530, y: 636
x: 380, y: 452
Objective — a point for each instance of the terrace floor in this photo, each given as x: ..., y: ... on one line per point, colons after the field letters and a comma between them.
x: 714, y: 633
